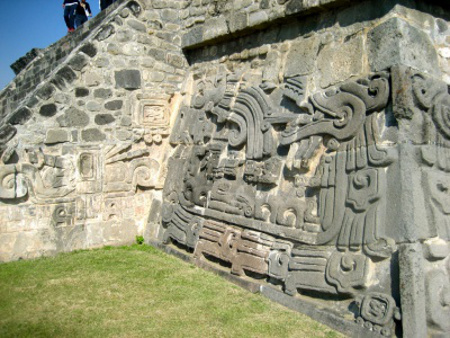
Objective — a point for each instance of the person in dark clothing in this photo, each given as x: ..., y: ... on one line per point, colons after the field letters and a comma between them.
x: 82, y: 11
x: 69, y: 13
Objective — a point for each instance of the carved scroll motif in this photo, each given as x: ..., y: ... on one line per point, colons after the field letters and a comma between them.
x: 432, y: 98
x: 377, y: 312
x: 127, y: 169
x: 296, y: 197
x: 43, y: 177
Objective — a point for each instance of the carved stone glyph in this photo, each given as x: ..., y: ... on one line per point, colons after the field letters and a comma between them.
x: 295, y: 197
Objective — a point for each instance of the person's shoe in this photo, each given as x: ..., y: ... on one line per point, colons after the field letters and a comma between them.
x: 71, y: 30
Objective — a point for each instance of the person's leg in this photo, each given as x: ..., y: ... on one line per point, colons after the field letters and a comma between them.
x: 71, y: 16
x: 66, y: 16
x: 79, y: 20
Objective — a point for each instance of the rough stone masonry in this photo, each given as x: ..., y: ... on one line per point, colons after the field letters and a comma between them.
x: 300, y: 148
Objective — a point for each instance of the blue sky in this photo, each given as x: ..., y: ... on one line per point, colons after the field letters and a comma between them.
x: 25, y: 24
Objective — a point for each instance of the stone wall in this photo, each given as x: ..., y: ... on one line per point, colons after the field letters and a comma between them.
x: 300, y: 160
x: 84, y: 153
x: 299, y: 148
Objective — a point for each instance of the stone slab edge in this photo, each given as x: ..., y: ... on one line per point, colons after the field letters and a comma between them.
x: 299, y: 305
x: 247, y: 285
x: 195, y: 36
x: 202, y: 34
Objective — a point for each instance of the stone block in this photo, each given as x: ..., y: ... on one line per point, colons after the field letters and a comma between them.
x: 81, y: 92
x: 396, y: 42
x: 126, y: 121
x: 114, y: 105
x: 78, y: 62
x: 92, y: 79
x: 238, y: 21
x: 257, y: 18
x: 125, y: 35
x: 301, y: 57
x: 102, y: 119
x: 156, y: 76
x: 192, y: 37
x: 45, y: 92
x: 157, y: 54
x: 102, y: 62
x: 21, y: 116
x: 412, y: 290
x: 137, y: 25
x: 73, y: 117
x: 105, y: 32
x: 93, y: 106
x: 7, y: 132
x: 113, y: 49
x: 102, y: 93
x: 215, y: 27
x: 89, y: 49
x: 340, y: 61
x: 176, y: 60
x: 64, y: 77
x: 48, y: 110
x: 92, y: 135
x: 57, y: 136
x: 170, y: 15
x: 128, y: 79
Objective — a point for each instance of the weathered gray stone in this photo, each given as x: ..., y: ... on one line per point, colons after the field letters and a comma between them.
x: 128, y: 79
x: 64, y: 77
x: 81, y: 92
x: 21, y: 63
x: 93, y: 106
x: 73, y: 117
x: 93, y: 79
x: 102, y: 93
x: 21, y: 116
x: 113, y: 49
x: 114, y: 105
x: 126, y: 35
x: 106, y: 32
x: 126, y: 121
x: 137, y: 25
x: 7, y: 132
x: 102, y: 119
x: 157, y: 54
x: 57, y: 136
x: 92, y: 135
x: 45, y: 92
x: 32, y: 102
x: 78, y: 62
x: 412, y: 290
x: 102, y: 62
x: 396, y: 42
x: 169, y: 15
x: 301, y: 58
x: 340, y: 61
x: 257, y: 18
x: 192, y: 37
x: 89, y: 49
x: 48, y: 110
x: 124, y: 135
x: 215, y: 27
x: 238, y: 21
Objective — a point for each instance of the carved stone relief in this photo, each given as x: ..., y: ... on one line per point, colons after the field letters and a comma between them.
x: 128, y: 168
x: 42, y: 176
x: 295, y: 197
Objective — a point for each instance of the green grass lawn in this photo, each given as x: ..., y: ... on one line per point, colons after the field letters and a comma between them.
x: 135, y: 291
